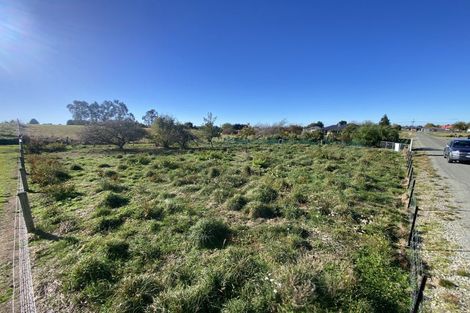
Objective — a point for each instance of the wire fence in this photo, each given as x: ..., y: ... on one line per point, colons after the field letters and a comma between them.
x: 417, y: 272
x: 23, y: 289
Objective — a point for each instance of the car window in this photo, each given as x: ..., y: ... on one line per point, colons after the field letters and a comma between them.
x: 461, y: 144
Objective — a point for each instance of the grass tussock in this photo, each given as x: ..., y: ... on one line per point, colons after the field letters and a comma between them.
x: 250, y: 228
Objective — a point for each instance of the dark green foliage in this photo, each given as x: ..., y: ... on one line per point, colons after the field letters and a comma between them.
x: 104, y: 165
x: 210, y: 234
x: 113, y: 200
x: 110, y: 174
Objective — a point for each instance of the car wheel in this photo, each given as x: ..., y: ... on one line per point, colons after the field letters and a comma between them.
x: 449, y: 160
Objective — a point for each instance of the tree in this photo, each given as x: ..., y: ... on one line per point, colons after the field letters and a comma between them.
x: 384, y: 121
x: 458, y: 126
x: 166, y: 132
x: 342, y: 123
x: 209, y: 129
x: 430, y: 125
x: 34, y: 121
x: 94, y: 112
x: 149, y: 117
x: 347, y: 133
x: 80, y: 110
x: 317, y: 124
x: 247, y: 131
x: 116, y: 132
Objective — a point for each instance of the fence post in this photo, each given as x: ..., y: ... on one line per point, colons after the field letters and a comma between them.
x: 410, y: 147
x: 25, y: 207
x: 410, y: 176
x: 419, y: 298
x: 409, y: 168
x: 411, y: 193
x: 413, y: 226
x: 24, y: 180
x: 22, y: 161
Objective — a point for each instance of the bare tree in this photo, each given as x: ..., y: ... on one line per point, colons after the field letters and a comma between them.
x: 116, y: 132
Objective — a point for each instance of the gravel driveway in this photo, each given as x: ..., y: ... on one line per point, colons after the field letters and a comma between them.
x: 457, y: 178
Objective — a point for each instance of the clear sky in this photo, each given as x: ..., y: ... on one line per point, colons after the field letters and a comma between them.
x: 245, y: 61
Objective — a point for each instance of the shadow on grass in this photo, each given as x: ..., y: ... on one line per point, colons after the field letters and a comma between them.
x: 47, y: 236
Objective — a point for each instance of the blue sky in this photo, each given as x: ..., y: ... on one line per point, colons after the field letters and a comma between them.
x: 245, y: 61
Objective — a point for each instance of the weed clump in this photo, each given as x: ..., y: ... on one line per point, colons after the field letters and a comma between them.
x: 76, y: 167
x: 47, y: 171
x: 107, y: 185
x: 113, y: 200
x: 136, y: 293
x: 236, y: 203
x: 110, y: 174
x: 117, y: 249
x: 108, y: 223
x: 266, y: 194
x: 260, y: 210
x: 89, y: 270
x: 210, y: 233
x: 60, y: 192
x: 214, y: 172
x: 104, y: 165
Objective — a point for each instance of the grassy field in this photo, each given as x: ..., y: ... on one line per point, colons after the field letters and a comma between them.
x: 260, y: 228
x: 54, y: 131
x: 7, y: 187
x: 7, y: 130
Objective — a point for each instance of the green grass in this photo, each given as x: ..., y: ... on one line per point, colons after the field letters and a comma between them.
x: 54, y: 131
x: 253, y: 228
x: 7, y: 187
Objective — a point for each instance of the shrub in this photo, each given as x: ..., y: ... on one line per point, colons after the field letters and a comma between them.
x: 104, y: 165
x: 136, y: 293
x: 47, y: 171
x: 60, y: 192
x: 260, y: 210
x: 117, y: 249
x: 76, y: 167
x: 210, y: 233
x: 236, y: 203
x: 113, y: 200
x: 88, y: 270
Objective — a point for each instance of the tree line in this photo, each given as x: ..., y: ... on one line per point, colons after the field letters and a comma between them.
x: 111, y: 123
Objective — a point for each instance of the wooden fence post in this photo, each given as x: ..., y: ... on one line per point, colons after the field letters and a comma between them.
x: 22, y: 161
x: 409, y: 168
x: 24, y: 180
x: 28, y: 218
x: 411, y: 193
x: 410, y: 176
x: 419, y: 297
x: 412, y: 226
